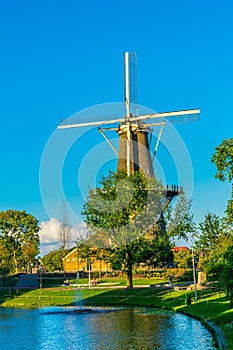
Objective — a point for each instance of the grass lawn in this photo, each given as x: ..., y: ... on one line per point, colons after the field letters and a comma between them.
x: 121, y: 281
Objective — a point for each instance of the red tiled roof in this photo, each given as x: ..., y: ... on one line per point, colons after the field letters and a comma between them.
x: 179, y: 249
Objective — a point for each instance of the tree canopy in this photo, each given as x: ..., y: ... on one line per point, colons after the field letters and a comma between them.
x: 226, y: 277
x: 179, y: 218
x: 123, y: 208
x: 214, y: 238
x: 53, y: 260
x: 223, y: 160
x: 122, y: 214
x: 125, y: 215
x: 19, y: 239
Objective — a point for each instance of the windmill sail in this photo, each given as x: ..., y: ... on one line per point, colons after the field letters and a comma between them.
x: 133, y: 129
x: 133, y: 83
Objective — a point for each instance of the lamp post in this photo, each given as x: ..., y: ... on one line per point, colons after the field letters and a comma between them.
x: 89, y: 273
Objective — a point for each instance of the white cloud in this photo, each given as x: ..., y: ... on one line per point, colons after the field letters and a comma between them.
x: 49, y: 234
x: 49, y: 231
x: 78, y: 231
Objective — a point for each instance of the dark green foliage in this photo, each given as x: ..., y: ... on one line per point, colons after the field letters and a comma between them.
x: 210, y: 230
x: 122, y: 208
x: 214, y: 238
x: 229, y: 210
x: 122, y: 215
x: 183, y: 259
x: 223, y: 159
x: 53, y: 260
x: 226, y: 277
x: 188, y: 299
x: 179, y: 218
x: 19, y: 240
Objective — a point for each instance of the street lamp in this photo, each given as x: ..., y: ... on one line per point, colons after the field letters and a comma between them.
x: 89, y: 273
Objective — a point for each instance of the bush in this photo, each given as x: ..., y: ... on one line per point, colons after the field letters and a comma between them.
x: 188, y: 299
x: 179, y: 275
x: 184, y: 275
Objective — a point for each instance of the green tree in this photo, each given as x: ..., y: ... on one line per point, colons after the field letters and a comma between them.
x: 179, y: 218
x: 6, y: 264
x: 214, y: 238
x: 209, y: 232
x: 226, y: 278
x: 122, y: 214
x: 154, y: 250
x: 183, y: 259
x: 19, y: 236
x: 223, y: 160
x: 53, y: 260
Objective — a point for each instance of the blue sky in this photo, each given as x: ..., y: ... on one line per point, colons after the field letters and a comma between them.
x: 59, y: 57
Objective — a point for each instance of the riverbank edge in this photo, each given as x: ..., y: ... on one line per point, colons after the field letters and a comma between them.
x: 217, y: 333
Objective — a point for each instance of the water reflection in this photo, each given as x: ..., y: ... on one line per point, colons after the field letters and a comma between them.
x: 136, y: 329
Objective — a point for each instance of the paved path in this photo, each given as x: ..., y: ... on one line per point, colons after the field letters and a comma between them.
x: 27, y: 281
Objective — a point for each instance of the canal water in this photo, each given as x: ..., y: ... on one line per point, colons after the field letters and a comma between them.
x: 68, y: 328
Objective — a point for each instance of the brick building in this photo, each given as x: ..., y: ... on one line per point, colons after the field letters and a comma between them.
x: 72, y: 263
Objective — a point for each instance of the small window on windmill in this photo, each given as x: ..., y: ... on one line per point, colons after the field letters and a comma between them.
x: 147, y: 171
x: 68, y: 260
x: 73, y: 259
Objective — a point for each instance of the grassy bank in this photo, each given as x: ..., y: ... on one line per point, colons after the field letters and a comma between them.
x: 211, y: 305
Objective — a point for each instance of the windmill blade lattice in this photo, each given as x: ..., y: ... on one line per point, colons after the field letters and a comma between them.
x: 133, y: 83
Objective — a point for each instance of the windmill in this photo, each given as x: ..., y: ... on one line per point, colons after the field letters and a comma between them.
x: 134, y: 147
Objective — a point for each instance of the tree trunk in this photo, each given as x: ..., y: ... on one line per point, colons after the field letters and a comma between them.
x: 129, y: 268
x: 15, y: 263
x: 129, y: 277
